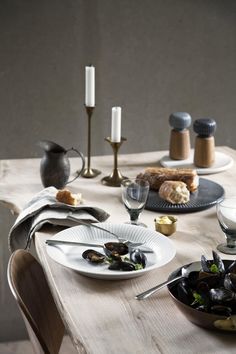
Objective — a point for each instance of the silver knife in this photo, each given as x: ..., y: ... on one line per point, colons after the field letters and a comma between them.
x: 73, y: 243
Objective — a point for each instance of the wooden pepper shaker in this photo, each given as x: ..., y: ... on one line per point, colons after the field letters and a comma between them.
x: 204, y: 152
x: 179, y: 138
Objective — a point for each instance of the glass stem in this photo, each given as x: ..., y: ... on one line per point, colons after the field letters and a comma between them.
x: 134, y: 215
x: 231, y: 243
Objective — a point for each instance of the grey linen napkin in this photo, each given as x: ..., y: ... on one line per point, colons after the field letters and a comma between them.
x: 44, y: 208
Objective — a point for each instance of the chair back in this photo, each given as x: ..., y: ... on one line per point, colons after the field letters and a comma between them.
x: 29, y: 286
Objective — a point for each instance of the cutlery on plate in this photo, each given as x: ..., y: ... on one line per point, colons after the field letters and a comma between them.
x: 123, y: 240
x: 64, y: 242
x: 132, y: 245
x: 184, y: 274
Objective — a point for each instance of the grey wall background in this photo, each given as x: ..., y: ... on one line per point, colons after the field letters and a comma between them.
x: 152, y: 58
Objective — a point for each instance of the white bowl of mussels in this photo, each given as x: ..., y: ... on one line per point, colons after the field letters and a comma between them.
x: 207, y: 296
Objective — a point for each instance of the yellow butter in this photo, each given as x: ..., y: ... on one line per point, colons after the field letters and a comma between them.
x: 164, y: 220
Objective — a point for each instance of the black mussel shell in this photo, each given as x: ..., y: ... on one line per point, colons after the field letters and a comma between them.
x: 93, y: 256
x: 115, y: 265
x: 206, y: 264
x: 138, y: 257
x: 231, y: 268
x: 221, y: 295
x: 221, y: 310
x: 218, y: 261
x: 118, y: 247
x: 126, y: 266
x: 184, y: 292
x: 230, y: 281
x: 202, y: 287
x: 211, y: 279
x: 121, y: 265
x: 192, y: 278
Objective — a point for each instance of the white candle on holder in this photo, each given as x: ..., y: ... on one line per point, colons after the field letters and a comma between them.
x: 116, y: 125
x: 90, y: 86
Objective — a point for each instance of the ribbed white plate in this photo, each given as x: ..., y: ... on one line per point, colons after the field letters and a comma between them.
x: 71, y: 256
x: 222, y: 163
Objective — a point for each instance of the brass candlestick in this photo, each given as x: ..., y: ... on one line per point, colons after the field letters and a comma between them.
x: 115, y: 178
x: 88, y: 171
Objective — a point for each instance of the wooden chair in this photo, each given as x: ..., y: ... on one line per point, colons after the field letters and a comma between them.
x: 30, y: 289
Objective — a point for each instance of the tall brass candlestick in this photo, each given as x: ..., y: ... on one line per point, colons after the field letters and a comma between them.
x: 88, y: 171
x: 115, y: 178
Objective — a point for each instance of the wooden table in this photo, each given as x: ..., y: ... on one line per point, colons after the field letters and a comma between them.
x: 103, y: 316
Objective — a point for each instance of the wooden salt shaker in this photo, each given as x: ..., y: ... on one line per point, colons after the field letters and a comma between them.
x: 204, y: 153
x: 179, y: 138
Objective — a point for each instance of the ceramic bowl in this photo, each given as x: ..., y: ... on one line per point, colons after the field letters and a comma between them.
x: 203, y: 319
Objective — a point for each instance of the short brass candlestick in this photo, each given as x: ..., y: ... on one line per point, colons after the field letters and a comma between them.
x: 115, y: 178
x: 88, y: 171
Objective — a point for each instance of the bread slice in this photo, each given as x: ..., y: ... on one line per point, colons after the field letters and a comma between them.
x: 66, y: 197
x: 157, y: 175
x: 174, y: 192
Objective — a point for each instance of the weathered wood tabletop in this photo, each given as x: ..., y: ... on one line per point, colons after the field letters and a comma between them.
x: 103, y: 316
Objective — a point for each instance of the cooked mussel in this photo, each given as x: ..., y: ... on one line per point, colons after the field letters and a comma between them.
x: 222, y: 295
x: 211, y: 279
x: 231, y: 268
x: 221, y: 310
x: 111, y: 248
x: 230, y: 281
x: 218, y: 261
x: 93, y: 256
x: 114, y: 256
x: 138, y: 257
x: 213, y: 266
x: 121, y: 265
x: 192, y: 278
x: 184, y: 292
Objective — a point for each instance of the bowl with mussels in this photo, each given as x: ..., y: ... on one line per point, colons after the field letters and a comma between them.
x: 207, y: 295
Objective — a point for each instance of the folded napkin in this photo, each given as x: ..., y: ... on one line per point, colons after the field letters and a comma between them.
x: 44, y: 208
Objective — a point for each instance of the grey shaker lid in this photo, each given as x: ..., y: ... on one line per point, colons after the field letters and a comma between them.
x: 180, y: 120
x: 204, y: 126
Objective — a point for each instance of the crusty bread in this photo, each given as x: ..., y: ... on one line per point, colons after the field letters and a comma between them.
x: 174, y: 192
x: 157, y: 175
x: 65, y: 196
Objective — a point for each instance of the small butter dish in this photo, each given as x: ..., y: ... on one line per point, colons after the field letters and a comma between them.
x: 166, y: 224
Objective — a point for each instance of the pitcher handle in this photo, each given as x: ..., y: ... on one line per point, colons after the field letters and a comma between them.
x: 83, y: 163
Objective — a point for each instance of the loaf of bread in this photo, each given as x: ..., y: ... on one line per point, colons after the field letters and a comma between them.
x: 65, y: 196
x: 174, y: 192
x: 157, y: 175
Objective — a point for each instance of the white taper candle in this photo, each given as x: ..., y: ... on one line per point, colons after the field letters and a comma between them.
x: 116, y: 124
x: 90, y: 86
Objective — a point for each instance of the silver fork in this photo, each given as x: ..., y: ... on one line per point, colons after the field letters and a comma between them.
x: 127, y: 242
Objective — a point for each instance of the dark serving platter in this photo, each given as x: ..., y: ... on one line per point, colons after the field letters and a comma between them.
x: 208, y: 194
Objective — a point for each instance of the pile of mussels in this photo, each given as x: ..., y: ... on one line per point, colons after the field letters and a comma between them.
x: 118, y: 256
x: 212, y: 289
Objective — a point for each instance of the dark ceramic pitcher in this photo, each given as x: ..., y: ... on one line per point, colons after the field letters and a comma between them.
x: 55, y: 165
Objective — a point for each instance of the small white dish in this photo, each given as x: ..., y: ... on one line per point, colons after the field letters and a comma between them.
x: 71, y: 256
x: 222, y: 163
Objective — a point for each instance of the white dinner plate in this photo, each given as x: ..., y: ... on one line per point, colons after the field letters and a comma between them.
x: 222, y: 163
x: 71, y: 256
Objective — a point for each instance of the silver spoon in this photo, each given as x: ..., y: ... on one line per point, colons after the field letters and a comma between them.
x: 196, y: 266
x: 128, y: 243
